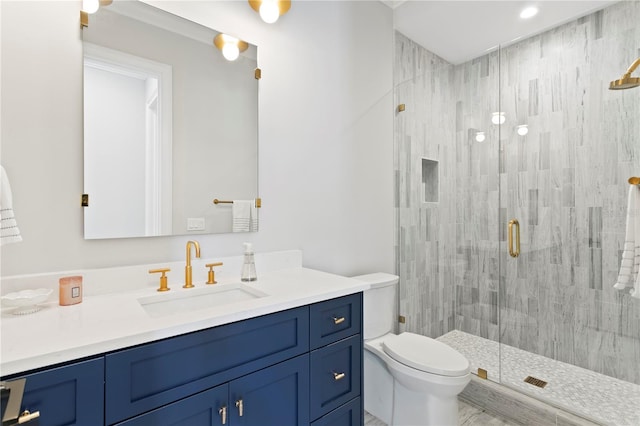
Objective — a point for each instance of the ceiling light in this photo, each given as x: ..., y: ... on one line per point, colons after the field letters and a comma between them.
x: 522, y: 129
x: 529, y: 12
x: 230, y: 46
x: 498, y: 117
x: 90, y: 6
x: 480, y: 137
x: 270, y: 10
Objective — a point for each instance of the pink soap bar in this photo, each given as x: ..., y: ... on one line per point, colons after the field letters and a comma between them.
x: 70, y: 290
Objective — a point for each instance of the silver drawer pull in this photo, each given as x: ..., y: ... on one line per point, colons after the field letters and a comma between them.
x: 223, y: 414
x: 338, y: 376
x: 337, y: 320
x: 240, y: 407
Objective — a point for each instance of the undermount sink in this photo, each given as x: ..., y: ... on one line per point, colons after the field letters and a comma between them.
x: 198, y: 299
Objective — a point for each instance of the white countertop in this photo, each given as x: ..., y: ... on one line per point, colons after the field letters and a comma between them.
x: 107, y: 322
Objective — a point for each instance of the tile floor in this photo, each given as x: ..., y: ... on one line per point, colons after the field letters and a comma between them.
x: 594, y: 396
x: 469, y: 415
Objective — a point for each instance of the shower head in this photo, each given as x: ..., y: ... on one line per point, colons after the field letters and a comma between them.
x: 626, y: 81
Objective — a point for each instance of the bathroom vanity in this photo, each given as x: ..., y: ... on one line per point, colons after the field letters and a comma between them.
x: 293, y: 357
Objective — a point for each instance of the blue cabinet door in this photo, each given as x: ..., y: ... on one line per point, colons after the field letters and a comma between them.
x: 68, y: 395
x: 275, y: 396
x: 203, y: 409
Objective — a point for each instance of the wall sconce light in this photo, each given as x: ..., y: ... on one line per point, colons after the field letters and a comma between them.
x: 270, y: 10
x: 522, y: 129
x: 230, y: 46
x: 89, y: 7
x: 480, y: 137
x: 498, y: 117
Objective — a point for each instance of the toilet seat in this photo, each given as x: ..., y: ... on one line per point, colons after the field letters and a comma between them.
x: 425, y: 354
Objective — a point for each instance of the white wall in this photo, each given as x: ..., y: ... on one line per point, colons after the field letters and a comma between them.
x: 326, y: 137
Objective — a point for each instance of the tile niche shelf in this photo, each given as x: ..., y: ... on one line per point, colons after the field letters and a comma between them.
x: 430, y: 180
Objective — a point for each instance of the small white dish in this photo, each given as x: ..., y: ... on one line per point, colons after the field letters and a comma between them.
x: 26, y: 301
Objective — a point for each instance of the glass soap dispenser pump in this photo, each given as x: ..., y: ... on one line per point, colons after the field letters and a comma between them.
x: 248, y: 265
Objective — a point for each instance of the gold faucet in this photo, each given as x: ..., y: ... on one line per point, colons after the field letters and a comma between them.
x: 187, y: 269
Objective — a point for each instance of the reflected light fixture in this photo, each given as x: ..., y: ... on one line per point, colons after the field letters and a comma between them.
x: 270, y: 10
x: 522, y: 129
x: 480, y: 137
x: 498, y: 117
x: 529, y: 12
x: 230, y: 46
x: 90, y: 7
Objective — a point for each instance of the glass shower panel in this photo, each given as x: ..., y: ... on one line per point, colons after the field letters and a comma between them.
x: 563, y: 327
x: 425, y: 184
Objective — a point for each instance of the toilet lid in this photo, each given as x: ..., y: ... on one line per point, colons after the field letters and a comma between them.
x: 426, y: 354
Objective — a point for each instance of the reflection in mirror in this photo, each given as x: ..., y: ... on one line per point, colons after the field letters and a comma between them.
x: 169, y: 125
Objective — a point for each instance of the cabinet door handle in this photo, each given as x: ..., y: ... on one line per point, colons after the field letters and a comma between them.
x: 338, y: 320
x: 26, y: 416
x: 338, y: 376
x: 514, y: 223
x: 223, y: 414
x: 240, y: 407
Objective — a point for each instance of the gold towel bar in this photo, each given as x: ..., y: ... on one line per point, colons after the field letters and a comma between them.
x: 633, y: 180
x: 216, y: 201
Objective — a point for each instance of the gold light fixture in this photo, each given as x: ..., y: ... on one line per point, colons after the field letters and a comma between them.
x: 90, y: 7
x: 230, y: 46
x: 270, y: 10
x: 626, y: 81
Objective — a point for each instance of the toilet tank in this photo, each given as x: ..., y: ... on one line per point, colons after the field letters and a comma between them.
x: 379, y: 304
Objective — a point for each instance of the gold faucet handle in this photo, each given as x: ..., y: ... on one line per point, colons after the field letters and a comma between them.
x: 163, y: 278
x: 212, y: 274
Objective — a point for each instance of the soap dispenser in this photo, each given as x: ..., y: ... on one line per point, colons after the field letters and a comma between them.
x: 248, y: 265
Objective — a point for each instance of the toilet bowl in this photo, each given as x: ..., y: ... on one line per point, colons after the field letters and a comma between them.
x: 409, y: 379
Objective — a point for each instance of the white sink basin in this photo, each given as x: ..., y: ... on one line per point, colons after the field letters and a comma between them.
x: 198, y: 299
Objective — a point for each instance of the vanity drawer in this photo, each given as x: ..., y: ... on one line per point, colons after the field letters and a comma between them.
x: 149, y: 376
x: 335, y: 375
x: 335, y: 319
x: 349, y: 414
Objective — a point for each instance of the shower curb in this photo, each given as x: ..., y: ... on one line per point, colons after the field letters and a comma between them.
x: 518, y: 407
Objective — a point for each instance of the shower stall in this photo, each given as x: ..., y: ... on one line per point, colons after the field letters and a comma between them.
x: 512, y: 174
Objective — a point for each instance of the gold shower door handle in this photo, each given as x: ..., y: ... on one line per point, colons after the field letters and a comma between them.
x: 514, y: 223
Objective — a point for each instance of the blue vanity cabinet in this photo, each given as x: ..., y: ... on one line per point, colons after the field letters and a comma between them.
x: 301, y: 366
x: 68, y: 395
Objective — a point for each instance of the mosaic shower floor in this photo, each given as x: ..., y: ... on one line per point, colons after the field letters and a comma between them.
x: 592, y: 395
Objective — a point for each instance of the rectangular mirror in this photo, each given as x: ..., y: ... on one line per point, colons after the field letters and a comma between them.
x: 169, y: 125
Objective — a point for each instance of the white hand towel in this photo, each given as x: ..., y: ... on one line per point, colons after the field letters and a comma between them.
x: 628, y: 276
x: 254, y: 217
x: 241, y: 213
x: 9, y: 231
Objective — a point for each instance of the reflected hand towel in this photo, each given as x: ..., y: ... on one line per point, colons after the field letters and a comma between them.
x: 9, y: 231
x: 241, y: 212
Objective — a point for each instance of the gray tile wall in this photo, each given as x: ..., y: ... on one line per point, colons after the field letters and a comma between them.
x: 565, y: 182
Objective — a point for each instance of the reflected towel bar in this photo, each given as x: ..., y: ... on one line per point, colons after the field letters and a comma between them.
x: 216, y: 201
x: 633, y: 180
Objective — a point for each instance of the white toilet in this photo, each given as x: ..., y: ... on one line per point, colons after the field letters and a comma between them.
x: 409, y: 379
